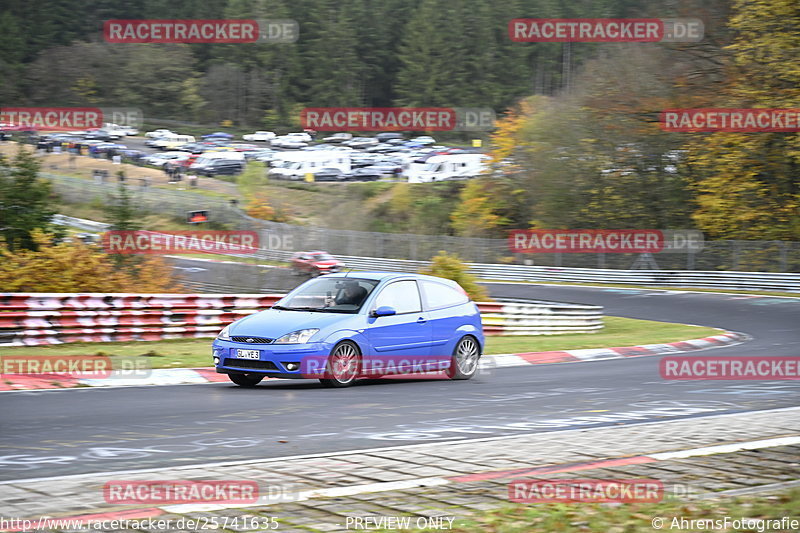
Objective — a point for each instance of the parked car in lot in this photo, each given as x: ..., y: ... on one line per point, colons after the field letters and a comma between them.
x: 365, y: 174
x: 387, y: 136
x: 259, y: 136
x: 264, y: 154
x: 289, y: 141
x: 194, y: 148
x: 338, y: 138
x: 359, y: 159
x: 222, y: 167
x: 102, y: 135
x: 159, y: 133
x: 244, y: 147
x: 424, y: 140
x: 161, y: 158
x: 172, y: 142
x: 122, y: 130
x: 314, y: 263
x: 329, y: 174
x: 318, y: 147
x: 340, y: 327
x: 386, y: 167
x: 362, y: 142
x: 217, y: 135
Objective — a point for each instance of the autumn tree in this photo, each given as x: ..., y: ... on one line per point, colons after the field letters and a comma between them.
x: 450, y: 266
x: 747, y: 184
x: 78, y: 267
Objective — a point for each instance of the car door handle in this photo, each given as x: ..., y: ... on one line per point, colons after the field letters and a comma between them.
x: 421, y: 320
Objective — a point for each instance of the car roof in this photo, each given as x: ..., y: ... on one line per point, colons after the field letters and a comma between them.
x: 382, y: 275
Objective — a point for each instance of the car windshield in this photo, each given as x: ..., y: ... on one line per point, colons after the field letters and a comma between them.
x: 322, y: 257
x: 328, y: 295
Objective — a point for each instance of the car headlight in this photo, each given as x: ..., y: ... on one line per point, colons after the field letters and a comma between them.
x: 225, y: 334
x: 297, y: 337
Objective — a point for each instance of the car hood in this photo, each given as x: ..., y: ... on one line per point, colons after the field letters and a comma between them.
x: 274, y: 324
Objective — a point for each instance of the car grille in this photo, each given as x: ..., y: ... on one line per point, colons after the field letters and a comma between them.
x: 250, y: 363
x: 252, y: 340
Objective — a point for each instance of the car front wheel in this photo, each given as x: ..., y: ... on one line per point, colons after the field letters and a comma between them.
x: 246, y: 380
x: 464, y: 363
x: 343, y: 366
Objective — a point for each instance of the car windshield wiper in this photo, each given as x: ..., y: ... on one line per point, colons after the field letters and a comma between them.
x: 283, y: 308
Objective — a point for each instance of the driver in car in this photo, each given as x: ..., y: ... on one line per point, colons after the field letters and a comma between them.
x: 352, y: 294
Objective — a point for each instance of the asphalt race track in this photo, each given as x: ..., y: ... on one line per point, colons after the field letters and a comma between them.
x: 50, y: 433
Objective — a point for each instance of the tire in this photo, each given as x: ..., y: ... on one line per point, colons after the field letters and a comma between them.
x: 246, y: 380
x: 343, y: 365
x: 466, y: 356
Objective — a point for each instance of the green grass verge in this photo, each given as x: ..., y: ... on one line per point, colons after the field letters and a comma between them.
x: 528, y: 518
x: 753, y: 292
x: 617, y: 332
x: 188, y: 353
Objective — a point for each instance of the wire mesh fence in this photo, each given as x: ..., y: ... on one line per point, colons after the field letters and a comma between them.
x: 759, y: 256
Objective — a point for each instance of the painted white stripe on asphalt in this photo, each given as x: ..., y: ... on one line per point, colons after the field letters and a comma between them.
x: 726, y: 448
x: 338, y: 492
x: 334, y: 492
x: 114, y: 473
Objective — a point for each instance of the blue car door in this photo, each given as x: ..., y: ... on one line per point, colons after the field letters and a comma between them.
x: 405, y: 336
x: 447, y: 312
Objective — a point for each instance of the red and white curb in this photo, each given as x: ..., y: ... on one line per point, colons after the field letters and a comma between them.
x: 185, y: 376
x: 729, y: 338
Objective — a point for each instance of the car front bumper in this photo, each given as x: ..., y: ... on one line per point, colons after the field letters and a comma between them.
x: 294, y: 361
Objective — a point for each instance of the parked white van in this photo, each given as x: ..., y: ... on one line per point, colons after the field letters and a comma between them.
x: 206, y: 158
x: 295, y: 165
x: 447, y: 167
x: 172, y: 141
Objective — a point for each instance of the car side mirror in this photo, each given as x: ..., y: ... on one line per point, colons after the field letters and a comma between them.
x: 384, y: 310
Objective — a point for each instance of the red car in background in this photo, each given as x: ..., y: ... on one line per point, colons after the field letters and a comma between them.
x: 315, y: 263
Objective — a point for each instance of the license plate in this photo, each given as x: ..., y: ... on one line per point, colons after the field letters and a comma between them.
x: 247, y: 354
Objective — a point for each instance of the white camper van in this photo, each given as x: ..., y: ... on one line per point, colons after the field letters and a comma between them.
x: 447, y: 167
x: 295, y: 165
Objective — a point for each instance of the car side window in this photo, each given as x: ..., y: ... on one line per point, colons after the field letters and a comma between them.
x: 438, y: 295
x: 402, y: 295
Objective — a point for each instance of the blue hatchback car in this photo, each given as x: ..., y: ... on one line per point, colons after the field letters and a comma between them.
x: 340, y: 327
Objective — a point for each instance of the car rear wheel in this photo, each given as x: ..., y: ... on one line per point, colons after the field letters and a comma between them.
x: 464, y: 363
x: 246, y: 380
x: 343, y: 365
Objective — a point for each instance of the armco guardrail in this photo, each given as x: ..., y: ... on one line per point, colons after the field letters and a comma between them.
x: 30, y: 319
x: 658, y: 278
